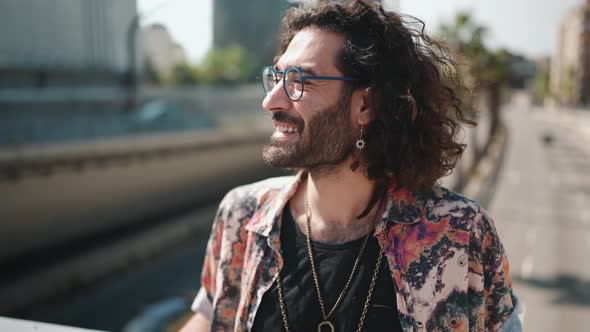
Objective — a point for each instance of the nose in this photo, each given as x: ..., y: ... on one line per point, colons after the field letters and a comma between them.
x: 276, y: 99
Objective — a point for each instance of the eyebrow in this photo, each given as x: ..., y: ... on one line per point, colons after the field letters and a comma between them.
x: 307, y: 70
x: 304, y: 69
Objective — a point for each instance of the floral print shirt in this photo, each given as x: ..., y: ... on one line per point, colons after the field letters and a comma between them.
x: 449, y: 268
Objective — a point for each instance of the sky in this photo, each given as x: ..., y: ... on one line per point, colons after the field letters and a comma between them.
x: 528, y: 27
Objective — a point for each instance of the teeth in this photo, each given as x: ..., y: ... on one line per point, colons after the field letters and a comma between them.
x: 287, y: 129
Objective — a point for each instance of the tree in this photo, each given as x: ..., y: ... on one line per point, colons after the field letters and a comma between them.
x: 227, y: 65
x: 149, y: 72
x: 230, y: 65
x: 184, y: 74
x: 541, y: 85
x: 489, y: 70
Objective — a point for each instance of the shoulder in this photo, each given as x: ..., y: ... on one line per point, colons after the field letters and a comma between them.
x: 245, y: 199
x: 461, y: 212
x: 257, y: 191
x: 466, y: 215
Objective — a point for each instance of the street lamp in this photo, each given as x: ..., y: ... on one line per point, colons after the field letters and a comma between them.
x: 132, y: 79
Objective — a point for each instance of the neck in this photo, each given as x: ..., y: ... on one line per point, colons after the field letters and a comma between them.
x: 335, y: 200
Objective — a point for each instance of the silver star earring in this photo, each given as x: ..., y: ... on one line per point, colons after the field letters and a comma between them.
x: 360, y: 143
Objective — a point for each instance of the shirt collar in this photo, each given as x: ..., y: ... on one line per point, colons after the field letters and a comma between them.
x: 402, y: 206
x: 270, y: 207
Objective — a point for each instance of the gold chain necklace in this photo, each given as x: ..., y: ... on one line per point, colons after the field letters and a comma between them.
x: 326, y: 322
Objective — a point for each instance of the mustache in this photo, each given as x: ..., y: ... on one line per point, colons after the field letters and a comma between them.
x: 287, y: 118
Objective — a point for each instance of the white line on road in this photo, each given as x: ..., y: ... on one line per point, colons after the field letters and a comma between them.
x: 526, y: 267
x: 581, y: 198
x: 528, y: 263
x: 531, y: 237
x: 514, y: 177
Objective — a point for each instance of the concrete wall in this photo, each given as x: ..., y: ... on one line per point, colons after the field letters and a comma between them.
x: 567, y: 66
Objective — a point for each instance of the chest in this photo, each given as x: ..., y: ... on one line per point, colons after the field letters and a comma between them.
x: 345, y: 288
x: 428, y: 269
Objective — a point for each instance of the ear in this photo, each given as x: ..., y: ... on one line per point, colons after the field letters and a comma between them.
x: 362, y: 106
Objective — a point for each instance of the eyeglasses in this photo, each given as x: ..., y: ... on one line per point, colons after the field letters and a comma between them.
x: 293, y: 80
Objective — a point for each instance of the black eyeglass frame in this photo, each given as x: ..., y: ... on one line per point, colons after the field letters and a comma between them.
x: 303, y: 79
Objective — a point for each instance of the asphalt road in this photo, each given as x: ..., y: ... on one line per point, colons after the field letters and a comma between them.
x: 541, y: 207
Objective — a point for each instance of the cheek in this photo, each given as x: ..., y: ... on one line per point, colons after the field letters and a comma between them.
x: 303, y: 111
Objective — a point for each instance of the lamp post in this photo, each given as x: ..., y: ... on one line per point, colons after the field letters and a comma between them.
x: 132, y: 78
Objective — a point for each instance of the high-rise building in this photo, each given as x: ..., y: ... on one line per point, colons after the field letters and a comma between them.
x: 251, y: 24
x: 61, y: 41
x: 585, y: 62
x: 160, y: 50
x: 570, y: 67
x: 254, y: 24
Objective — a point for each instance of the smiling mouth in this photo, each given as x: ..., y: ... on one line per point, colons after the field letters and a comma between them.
x: 286, y: 129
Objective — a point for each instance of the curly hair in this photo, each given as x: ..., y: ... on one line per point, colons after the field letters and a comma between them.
x: 413, y: 83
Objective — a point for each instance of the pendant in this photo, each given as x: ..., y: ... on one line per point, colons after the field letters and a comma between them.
x: 326, y: 323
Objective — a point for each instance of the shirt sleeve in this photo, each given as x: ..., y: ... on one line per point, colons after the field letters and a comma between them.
x: 201, y: 304
x: 204, y: 300
x: 500, y: 302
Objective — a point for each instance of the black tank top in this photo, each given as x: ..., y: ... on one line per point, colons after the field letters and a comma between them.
x: 334, y: 263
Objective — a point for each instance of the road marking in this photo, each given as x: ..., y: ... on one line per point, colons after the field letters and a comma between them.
x: 526, y: 268
x: 531, y: 237
x: 580, y: 198
x: 555, y: 179
x: 514, y: 177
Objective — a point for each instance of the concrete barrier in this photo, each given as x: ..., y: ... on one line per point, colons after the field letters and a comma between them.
x: 73, y: 191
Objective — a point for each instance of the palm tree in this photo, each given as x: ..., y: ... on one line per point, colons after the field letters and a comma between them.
x: 487, y: 70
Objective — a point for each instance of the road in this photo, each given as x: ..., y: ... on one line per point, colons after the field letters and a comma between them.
x: 541, y: 207
x: 141, y: 297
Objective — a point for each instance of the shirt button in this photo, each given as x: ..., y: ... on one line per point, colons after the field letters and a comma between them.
x: 462, y: 261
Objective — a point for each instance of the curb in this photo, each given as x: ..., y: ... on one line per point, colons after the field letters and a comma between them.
x: 481, y: 183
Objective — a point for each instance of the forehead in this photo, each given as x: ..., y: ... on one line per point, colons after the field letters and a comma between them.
x: 314, y: 48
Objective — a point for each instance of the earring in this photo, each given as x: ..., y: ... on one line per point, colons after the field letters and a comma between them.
x: 360, y: 143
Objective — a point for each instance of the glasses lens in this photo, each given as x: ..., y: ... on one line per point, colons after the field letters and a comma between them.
x: 294, y: 84
x: 269, y: 79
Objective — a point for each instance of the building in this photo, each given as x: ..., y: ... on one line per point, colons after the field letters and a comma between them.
x: 63, y: 42
x: 570, y: 68
x: 522, y: 71
x: 541, y: 88
x: 251, y: 24
x: 161, y: 51
x: 254, y: 24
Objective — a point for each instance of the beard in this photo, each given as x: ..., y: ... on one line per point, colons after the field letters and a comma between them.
x: 324, y: 143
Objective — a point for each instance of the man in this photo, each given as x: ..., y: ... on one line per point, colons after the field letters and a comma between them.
x: 362, y: 238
